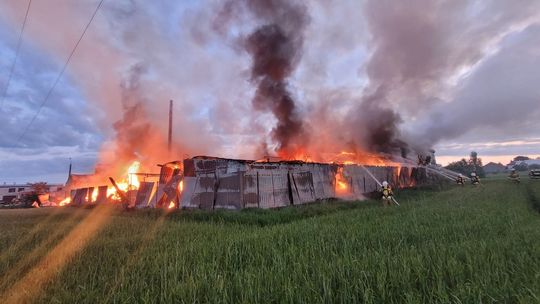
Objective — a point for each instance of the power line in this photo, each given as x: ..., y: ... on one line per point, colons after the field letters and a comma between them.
x: 16, y: 54
x: 61, y: 73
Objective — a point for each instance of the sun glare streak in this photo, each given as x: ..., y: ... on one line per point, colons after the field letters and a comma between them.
x: 30, y: 257
x: 29, y: 286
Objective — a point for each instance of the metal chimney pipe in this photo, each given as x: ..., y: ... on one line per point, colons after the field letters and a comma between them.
x: 169, y: 146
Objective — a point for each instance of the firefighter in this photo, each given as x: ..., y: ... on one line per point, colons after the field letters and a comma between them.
x: 460, y: 180
x: 514, y: 176
x: 474, y: 179
x: 387, y: 194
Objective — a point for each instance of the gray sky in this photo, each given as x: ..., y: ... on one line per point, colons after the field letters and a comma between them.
x: 461, y: 76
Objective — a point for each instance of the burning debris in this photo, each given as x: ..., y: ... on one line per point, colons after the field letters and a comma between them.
x: 91, y: 189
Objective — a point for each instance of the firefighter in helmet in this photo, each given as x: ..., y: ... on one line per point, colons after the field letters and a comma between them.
x: 459, y: 180
x: 474, y: 179
x: 514, y: 176
x: 387, y: 194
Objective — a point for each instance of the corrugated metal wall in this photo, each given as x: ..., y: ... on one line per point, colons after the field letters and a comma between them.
x: 235, y: 184
x: 303, y: 190
x: 229, y: 191
x: 213, y: 183
x: 250, y: 189
x: 145, y: 194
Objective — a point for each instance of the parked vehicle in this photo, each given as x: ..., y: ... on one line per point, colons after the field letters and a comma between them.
x: 534, y: 174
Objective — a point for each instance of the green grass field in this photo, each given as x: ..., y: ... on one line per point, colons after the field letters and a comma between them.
x: 455, y: 245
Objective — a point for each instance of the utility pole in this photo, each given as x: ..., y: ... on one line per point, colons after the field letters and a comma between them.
x: 169, y: 146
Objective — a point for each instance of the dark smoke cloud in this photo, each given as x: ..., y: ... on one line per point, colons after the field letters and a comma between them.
x: 420, y: 49
x: 272, y: 51
x: 275, y: 47
x: 381, y: 124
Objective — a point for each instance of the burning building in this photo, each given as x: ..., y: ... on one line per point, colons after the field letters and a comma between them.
x: 210, y: 183
x: 275, y: 47
x: 217, y: 183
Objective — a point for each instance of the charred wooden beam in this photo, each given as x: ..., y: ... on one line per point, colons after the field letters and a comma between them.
x: 121, y: 193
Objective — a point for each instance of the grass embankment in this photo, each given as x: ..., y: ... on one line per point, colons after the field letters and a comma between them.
x: 471, y: 244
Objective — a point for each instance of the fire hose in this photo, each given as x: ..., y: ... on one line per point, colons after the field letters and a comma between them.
x: 441, y: 173
x: 451, y: 173
x: 378, y: 183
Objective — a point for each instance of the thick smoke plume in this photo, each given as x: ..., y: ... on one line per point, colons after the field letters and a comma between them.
x: 380, y: 124
x: 420, y: 50
x: 275, y: 47
x: 272, y: 51
x: 136, y: 138
x: 134, y: 130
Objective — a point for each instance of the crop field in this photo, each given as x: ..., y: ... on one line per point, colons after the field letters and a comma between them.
x: 450, y: 245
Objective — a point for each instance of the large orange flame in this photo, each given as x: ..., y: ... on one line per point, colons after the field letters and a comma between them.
x: 65, y: 201
x: 129, y: 182
x: 342, y: 157
x: 341, y: 182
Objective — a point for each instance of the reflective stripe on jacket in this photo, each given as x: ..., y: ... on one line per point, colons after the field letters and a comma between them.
x: 386, y: 191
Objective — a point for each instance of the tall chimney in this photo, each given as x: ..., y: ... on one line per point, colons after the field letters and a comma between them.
x: 169, y: 146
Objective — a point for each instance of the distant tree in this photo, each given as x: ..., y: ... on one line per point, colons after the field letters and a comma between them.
x: 36, y: 189
x: 476, y: 164
x: 460, y: 166
x: 466, y: 167
x: 520, y: 158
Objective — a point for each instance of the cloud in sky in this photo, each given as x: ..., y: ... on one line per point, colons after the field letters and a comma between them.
x: 496, y: 107
x: 459, y: 73
x: 498, y: 99
x: 63, y: 130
